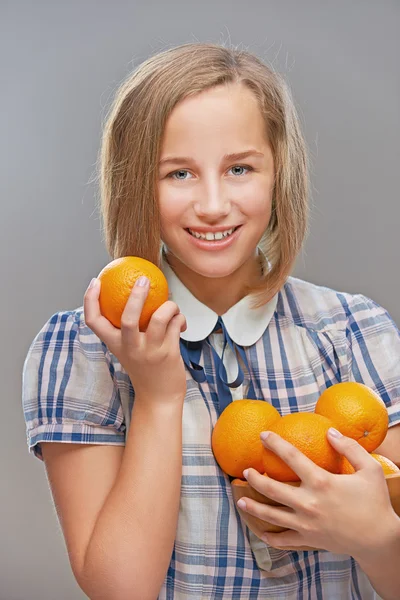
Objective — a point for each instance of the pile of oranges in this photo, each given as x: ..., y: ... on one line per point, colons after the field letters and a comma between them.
x: 352, y: 408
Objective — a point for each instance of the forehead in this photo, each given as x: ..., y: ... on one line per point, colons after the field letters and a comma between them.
x: 225, y: 115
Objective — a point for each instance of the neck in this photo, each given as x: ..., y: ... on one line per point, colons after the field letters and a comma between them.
x: 219, y: 294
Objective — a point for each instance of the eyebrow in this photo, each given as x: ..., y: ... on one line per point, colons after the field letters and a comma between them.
x: 227, y: 157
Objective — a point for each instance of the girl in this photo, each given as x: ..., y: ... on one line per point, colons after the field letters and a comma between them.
x: 204, y: 172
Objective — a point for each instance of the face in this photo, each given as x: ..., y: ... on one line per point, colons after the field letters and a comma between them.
x: 205, y: 192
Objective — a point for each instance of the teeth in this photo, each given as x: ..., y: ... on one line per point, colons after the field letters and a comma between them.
x: 212, y: 236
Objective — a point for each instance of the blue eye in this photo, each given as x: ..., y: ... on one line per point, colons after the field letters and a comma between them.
x: 241, y: 167
x: 179, y: 178
x: 183, y: 171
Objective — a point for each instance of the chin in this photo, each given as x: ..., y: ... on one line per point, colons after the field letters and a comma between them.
x: 221, y: 268
x: 215, y: 273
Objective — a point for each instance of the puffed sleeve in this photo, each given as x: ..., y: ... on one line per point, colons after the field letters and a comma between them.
x: 69, y: 388
x: 374, y: 351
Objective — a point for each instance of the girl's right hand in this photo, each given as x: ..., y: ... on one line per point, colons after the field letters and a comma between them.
x: 152, y: 359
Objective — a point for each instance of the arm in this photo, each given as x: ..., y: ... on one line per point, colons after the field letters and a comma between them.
x: 382, y: 566
x: 390, y: 446
x: 131, y: 545
x: 119, y: 516
x: 383, y: 569
x: 344, y: 514
x: 118, y: 508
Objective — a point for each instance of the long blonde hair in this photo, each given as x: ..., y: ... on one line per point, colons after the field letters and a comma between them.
x: 131, y: 146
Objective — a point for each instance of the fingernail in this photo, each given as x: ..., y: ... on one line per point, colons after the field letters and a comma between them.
x: 334, y: 432
x: 264, y: 435
x: 92, y: 283
x: 245, y: 473
x: 241, y: 504
x: 142, y: 281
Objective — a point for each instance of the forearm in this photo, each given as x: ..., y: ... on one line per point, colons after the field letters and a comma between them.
x: 132, y: 542
x: 383, y: 567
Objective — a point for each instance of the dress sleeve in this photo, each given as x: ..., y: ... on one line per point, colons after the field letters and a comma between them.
x: 374, y: 351
x: 69, y: 388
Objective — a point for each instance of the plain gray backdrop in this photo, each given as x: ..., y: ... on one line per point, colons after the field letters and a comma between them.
x: 61, y: 63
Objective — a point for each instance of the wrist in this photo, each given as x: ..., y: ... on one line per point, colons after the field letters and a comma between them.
x: 164, y: 405
x: 387, y: 546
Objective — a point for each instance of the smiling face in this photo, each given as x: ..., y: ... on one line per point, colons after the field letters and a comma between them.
x: 203, y: 189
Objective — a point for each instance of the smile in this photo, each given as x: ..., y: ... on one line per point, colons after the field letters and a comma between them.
x: 209, y: 236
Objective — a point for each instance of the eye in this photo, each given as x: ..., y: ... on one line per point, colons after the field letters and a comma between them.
x: 241, y: 167
x: 180, y: 172
x: 238, y: 171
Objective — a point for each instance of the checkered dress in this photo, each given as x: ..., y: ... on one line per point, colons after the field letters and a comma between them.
x: 75, y: 390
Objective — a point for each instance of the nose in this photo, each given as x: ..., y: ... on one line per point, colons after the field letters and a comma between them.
x: 213, y: 203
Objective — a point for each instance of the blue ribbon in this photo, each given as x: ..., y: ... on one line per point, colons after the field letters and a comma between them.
x: 191, y: 352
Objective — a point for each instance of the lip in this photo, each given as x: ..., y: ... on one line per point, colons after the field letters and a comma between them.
x: 217, y: 244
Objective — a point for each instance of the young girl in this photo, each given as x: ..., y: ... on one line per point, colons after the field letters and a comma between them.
x: 204, y: 172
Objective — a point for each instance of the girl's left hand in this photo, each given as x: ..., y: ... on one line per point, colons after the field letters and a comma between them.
x: 345, y: 514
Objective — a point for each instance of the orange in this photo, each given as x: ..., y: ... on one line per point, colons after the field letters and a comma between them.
x: 236, y: 439
x: 357, y: 411
x: 307, y: 432
x: 117, y: 280
x: 387, y: 465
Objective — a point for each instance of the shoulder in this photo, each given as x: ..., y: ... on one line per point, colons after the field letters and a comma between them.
x: 72, y: 386
x: 322, y: 308
x: 63, y: 327
x: 64, y: 346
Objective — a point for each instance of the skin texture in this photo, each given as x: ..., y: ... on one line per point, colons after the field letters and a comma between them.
x: 210, y: 190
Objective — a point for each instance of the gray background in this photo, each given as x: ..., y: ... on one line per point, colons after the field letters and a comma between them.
x: 61, y: 64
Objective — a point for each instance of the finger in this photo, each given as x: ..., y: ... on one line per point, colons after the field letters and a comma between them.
x: 133, y: 309
x: 160, y: 320
x: 357, y: 456
x: 276, y: 490
x: 282, y: 516
x: 305, y: 468
x: 184, y: 324
x: 101, y: 326
x: 284, y: 539
x: 175, y: 328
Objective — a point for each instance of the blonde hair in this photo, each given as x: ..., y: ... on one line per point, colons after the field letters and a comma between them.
x: 131, y: 147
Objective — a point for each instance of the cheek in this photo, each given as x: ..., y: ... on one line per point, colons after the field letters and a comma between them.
x: 172, y: 205
x: 172, y: 215
x: 258, y: 203
x: 257, y: 194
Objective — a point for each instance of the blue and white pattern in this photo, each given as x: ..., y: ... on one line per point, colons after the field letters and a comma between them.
x: 75, y: 390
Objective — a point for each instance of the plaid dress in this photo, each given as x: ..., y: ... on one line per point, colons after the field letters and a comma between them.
x: 75, y: 390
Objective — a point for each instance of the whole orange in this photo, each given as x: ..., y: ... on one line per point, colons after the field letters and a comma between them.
x: 236, y: 439
x: 357, y: 411
x: 117, y: 280
x: 387, y: 465
x: 307, y: 432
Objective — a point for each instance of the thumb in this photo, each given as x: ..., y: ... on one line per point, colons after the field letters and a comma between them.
x: 357, y: 456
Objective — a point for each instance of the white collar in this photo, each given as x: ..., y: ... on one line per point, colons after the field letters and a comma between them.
x: 245, y: 325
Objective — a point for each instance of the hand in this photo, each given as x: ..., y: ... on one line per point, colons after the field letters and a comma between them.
x: 345, y: 514
x: 152, y: 358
